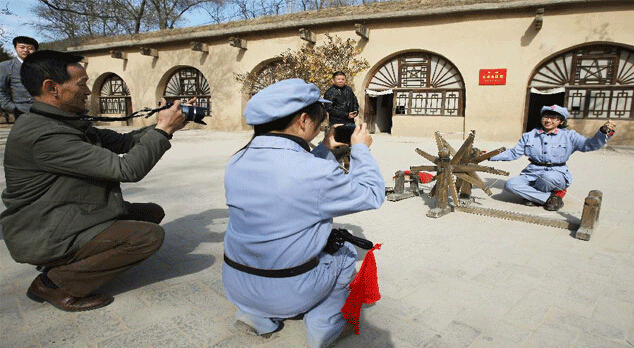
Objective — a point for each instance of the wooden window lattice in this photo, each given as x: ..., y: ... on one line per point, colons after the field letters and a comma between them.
x: 265, y: 77
x: 423, y: 84
x: 114, y: 96
x: 188, y: 83
x: 599, y: 81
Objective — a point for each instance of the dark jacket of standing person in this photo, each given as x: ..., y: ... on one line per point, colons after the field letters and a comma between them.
x: 14, y: 98
x: 343, y: 101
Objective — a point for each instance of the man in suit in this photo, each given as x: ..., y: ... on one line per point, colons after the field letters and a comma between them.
x: 14, y: 98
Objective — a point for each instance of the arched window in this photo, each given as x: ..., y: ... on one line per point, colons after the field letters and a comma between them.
x: 114, y: 96
x: 265, y: 76
x: 598, y: 81
x: 187, y: 83
x: 422, y: 83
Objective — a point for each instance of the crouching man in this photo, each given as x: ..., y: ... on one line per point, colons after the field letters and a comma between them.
x: 65, y: 212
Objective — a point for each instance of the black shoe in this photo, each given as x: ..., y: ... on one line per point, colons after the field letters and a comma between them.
x: 554, y: 203
x: 528, y: 203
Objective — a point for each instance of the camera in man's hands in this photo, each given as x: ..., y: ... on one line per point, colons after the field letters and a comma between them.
x: 192, y: 113
x: 343, y: 133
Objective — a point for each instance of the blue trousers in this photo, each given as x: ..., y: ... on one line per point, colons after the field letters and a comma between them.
x: 536, y: 188
x: 324, y: 321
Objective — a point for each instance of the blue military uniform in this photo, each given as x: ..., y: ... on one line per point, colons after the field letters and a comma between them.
x: 282, y: 200
x: 548, y: 153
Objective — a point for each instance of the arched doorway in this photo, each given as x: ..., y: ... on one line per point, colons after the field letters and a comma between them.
x: 414, y: 84
x: 114, y: 96
x: 187, y: 83
x: 594, y: 81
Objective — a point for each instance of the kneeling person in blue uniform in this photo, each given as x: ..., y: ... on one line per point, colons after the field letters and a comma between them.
x: 275, y: 267
x: 545, y: 179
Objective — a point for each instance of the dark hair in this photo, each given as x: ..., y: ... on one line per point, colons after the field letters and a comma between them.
x: 43, y: 65
x: 337, y: 73
x: 26, y: 40
x: 564, y: 122
x: 315, y: 111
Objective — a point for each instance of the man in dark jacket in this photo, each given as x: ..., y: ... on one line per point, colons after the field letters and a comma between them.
x: 65, y: 212
x: 344, y: 107
x: 14, y: 98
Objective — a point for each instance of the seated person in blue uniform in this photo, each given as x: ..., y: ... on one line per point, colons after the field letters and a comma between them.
x: 282, y: 199
x: 545, y: 180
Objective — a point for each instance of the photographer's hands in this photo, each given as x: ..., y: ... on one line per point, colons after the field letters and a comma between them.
x: 172, y: 119
x: 329, y: 138
x: 361, y: 135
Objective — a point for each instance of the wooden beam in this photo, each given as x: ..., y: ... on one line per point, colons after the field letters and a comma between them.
x: 539, y: 18
x: 119, y: 55
x: 307, y: 35
x: 146, y: 51
x: 362, y: 31
x: 199, y: 46
x: 238, y: 42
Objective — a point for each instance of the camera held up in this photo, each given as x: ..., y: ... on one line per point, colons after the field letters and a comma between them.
x: 192, y: 113
x: 343, y: 133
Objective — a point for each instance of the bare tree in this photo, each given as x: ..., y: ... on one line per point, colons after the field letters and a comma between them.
x: 75, y: 19
x: 4, y: 33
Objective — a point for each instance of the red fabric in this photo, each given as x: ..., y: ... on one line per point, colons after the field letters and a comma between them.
x: 561, y: 193
x: 363, y: 289
x: 425, y: 177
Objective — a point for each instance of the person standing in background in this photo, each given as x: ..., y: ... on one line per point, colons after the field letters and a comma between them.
x: 14, y: 98
x: 344, y: 107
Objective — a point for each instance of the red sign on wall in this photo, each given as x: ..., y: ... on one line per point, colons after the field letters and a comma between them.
x: 492, y: 76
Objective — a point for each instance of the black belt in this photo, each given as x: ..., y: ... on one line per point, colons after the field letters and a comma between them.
x: 547, y: 164
x: 274, y: 273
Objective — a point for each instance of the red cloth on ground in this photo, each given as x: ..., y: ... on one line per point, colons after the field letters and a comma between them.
x: 425, y: 177
x: 363, y: 289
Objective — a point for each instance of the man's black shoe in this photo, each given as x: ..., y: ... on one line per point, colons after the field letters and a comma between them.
x: 554, y: 203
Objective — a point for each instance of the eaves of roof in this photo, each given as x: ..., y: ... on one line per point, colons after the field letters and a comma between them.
x: 340, y: 16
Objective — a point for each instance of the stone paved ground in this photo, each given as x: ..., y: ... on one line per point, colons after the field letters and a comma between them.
x: 461, y: 280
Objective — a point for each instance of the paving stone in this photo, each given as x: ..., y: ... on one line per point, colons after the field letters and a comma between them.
x: 586, y: 325
x: 616, y: 312
x: 551, y: 334
x: 455, y: 335
x: 497, y: 333
x: 162, y: 334
x: 585, y: 340
x: 97, y: 325
x: 10, y: 315
x: 406, y: 330
x: 202, y: 328
x: 587, y: 289
x: 438, y: 315
x: 462, y: 280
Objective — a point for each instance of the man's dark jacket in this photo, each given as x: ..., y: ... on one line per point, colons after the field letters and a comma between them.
x: 13, y: 94
x: 63, y: 178
x: 343, y: 103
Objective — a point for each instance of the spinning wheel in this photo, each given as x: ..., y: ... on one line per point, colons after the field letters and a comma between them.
x: 462, y: 165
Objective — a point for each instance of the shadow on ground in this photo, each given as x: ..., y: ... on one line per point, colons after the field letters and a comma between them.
x: 182, y: 252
